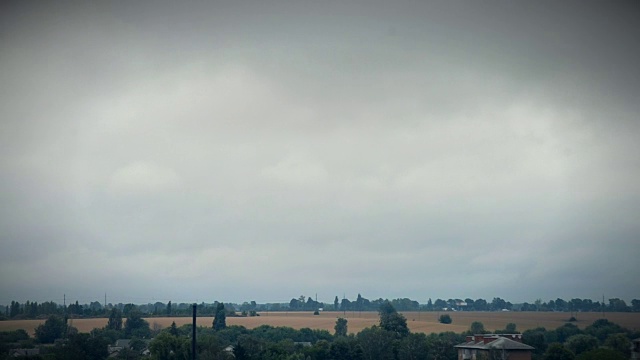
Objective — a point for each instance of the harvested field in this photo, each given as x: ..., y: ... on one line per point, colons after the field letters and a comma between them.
x: 426, y: 322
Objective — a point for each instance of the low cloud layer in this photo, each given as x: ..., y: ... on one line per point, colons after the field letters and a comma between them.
x: 243, y: 151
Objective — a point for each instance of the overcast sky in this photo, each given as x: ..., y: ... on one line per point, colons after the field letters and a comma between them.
x: 256, y: 150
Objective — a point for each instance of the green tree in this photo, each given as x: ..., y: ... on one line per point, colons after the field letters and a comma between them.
x: 477, y: 328
x: 618, y: 305
x: 336, y: 304
x: 248, y: 347
x: 377, y: 343
x: 341, y: 327
x: 581, y: 343
x: 173, y: 329
x: 619, y: 343
x: 413, y: 347
x: 169, y: 308
x: 15, y: 309
x: 346, y: 348
x: 445, y: 319
x: 168, y: 347
x: 601, y: 354
x: 52, y: 329
x: 128, y: 308
x: 565, y: 331
x: 115, y: 320
x: 558, y: 352
x: 441, y: 346
x: 392, y: 321
x: 536, y: 338
x: 509, y: 329
x: 220, y: 318
x: 602, y: 328
x: 136, y: 325
x: 82, y: 346
x: 110, y: 335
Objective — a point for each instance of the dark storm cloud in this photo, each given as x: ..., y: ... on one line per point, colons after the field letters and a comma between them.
x: 421, y: 150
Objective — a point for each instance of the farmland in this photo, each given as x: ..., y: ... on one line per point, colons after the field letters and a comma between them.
x: 417, y: 321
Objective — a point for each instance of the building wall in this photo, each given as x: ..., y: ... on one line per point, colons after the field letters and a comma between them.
x: 520, y: 355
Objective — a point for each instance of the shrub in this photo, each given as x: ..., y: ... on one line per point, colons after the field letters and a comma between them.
x: 445, y: 319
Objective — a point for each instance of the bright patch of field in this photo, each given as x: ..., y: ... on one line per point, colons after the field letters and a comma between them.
x: 426, y: 322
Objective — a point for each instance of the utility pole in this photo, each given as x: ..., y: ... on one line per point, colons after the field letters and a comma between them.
x: 344, y: 296
x: 193, y: 333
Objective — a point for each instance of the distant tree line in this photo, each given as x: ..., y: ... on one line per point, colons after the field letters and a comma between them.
x: 35, y: 310
x: 389, y: 339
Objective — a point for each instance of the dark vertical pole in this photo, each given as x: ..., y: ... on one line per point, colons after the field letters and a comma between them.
x: 193, y: 334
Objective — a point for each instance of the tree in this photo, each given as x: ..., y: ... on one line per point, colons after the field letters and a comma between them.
x: 602, y: 353
x: 115, y: 320
x: 166, y: 346
x: 15, y: 309
x: 128, y: 308
x: 82, y: 346
x: 618, y: 305
x: 441, y: 346
x: 169, y: 308
x: 477, y: 328
x: 52, y: 329
x: 536, y: 338
x: 413, y: 347
x: 480, y: 304
x: 498, y: 304
x: 173, y: 329
x: 294, y: 304
x: 602, y: 328
x: 136, y: 325
x: 392, y: 321
x: 581, y: 343
x: 566, y: 331
x: 341, y: 327
x: 469, y: 303
x: 346, y: 348
x: 619, y: 343
x: 220, y: 318
x: 445, y: 319
x: 439, y: 304
x: 345, y: 305
x: 558, y: 352
x: 336, y: 304
x: 509, y: 329
x: 377, y: 343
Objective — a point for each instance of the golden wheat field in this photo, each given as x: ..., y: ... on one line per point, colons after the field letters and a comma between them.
x: 426, y: 322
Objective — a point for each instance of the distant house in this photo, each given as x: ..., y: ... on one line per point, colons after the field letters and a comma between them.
x: 503, y: 346
x: 119, y: 345
x: 24, y: 352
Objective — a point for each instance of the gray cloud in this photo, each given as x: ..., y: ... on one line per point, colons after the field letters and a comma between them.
x: 259, y: 151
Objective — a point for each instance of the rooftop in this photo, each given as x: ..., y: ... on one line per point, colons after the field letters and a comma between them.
x: 495, y: 341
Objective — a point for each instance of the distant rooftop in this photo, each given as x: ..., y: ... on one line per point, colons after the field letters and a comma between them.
x: 495, y: 341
